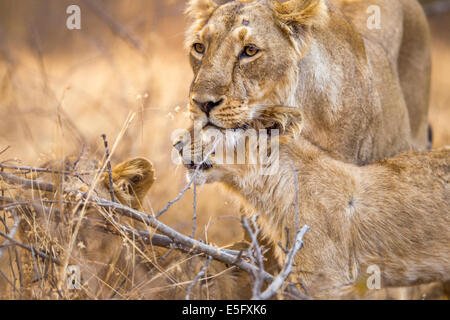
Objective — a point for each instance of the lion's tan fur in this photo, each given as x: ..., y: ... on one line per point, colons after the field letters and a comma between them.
x: 393, y: 214
x: 364, y: 93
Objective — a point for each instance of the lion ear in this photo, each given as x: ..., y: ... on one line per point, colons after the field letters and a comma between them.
x: 133, y: 178
x: 300, y: 12
x: 200, y: 9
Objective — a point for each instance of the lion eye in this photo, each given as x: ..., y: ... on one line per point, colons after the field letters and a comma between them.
x: 199, y: 48
x: 249, y: 51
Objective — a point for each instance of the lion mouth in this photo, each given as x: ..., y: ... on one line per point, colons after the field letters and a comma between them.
x: 209, y: 125
x: 208, y: 165
x: 202, y: 166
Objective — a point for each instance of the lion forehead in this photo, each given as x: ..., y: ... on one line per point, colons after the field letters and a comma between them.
x: 230, y: 19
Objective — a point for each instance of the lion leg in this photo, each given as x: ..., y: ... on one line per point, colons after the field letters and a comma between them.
x: 414, y: 67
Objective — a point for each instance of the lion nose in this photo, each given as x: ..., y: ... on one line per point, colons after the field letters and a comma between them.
x: 207, y: 105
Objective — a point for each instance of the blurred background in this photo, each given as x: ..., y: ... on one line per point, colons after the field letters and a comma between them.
x: 61, y: 89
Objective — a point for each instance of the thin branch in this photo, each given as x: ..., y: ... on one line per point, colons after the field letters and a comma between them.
x: 5, y: 149
x: 200, y: 275
x: 276, y: 284
x: 286, y: 248
x: 194, y: 215
x: 178, y: 238
x: 9, y: 281
x: 191, y: 181
x: 29, y: 248
x: 102, y: 225
x: 255, y: 253
x: 12, y: 233
x: 28, y: 183
x: 185, y: 242
x: 19, y: 268
x: 35, y: 265
x: 27, y: 169
x: 108, y: 166
x: 79, y: 156
x: 6, y: 245
x: 303, y: 285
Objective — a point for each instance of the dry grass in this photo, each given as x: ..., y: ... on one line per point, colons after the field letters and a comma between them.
x: 92, y: 87
x: 60, y: 89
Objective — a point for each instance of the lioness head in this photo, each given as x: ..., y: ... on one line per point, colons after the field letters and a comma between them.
x: 244, y: 55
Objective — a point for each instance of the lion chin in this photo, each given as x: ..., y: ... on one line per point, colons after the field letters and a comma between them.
x: 204, y: 176
x: 200, y: 179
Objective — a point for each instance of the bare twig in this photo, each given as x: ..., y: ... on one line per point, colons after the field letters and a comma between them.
x: 303, y: 285
x: 255, y: 253
x: 35, y: 265
x: 102, y: 225
x: 286, y: 248
x: 19, y: 268
x: 12, y: 233
x: 108, y: 165
x: 7, y: 245
x: 29, y: 248
x: 27, y: 169
x: 5, y: 149
x: 28, y: 183
x: 200, y: 275
x: 189, y: 184
x: 194, y: 215
x: 177, y: 240
x: 279, y: 280
x: 79, y: 157
x: 9, y: 281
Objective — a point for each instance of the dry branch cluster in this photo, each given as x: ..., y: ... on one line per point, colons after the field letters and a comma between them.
x: 138, y: 232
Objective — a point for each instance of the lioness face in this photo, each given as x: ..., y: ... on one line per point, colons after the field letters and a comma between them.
x: 242, y: 61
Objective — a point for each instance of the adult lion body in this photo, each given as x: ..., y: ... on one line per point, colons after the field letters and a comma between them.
x: 364, y: 93
x: 405, y: 38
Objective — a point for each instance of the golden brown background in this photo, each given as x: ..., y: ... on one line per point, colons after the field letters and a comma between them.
x: 60, y: 89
